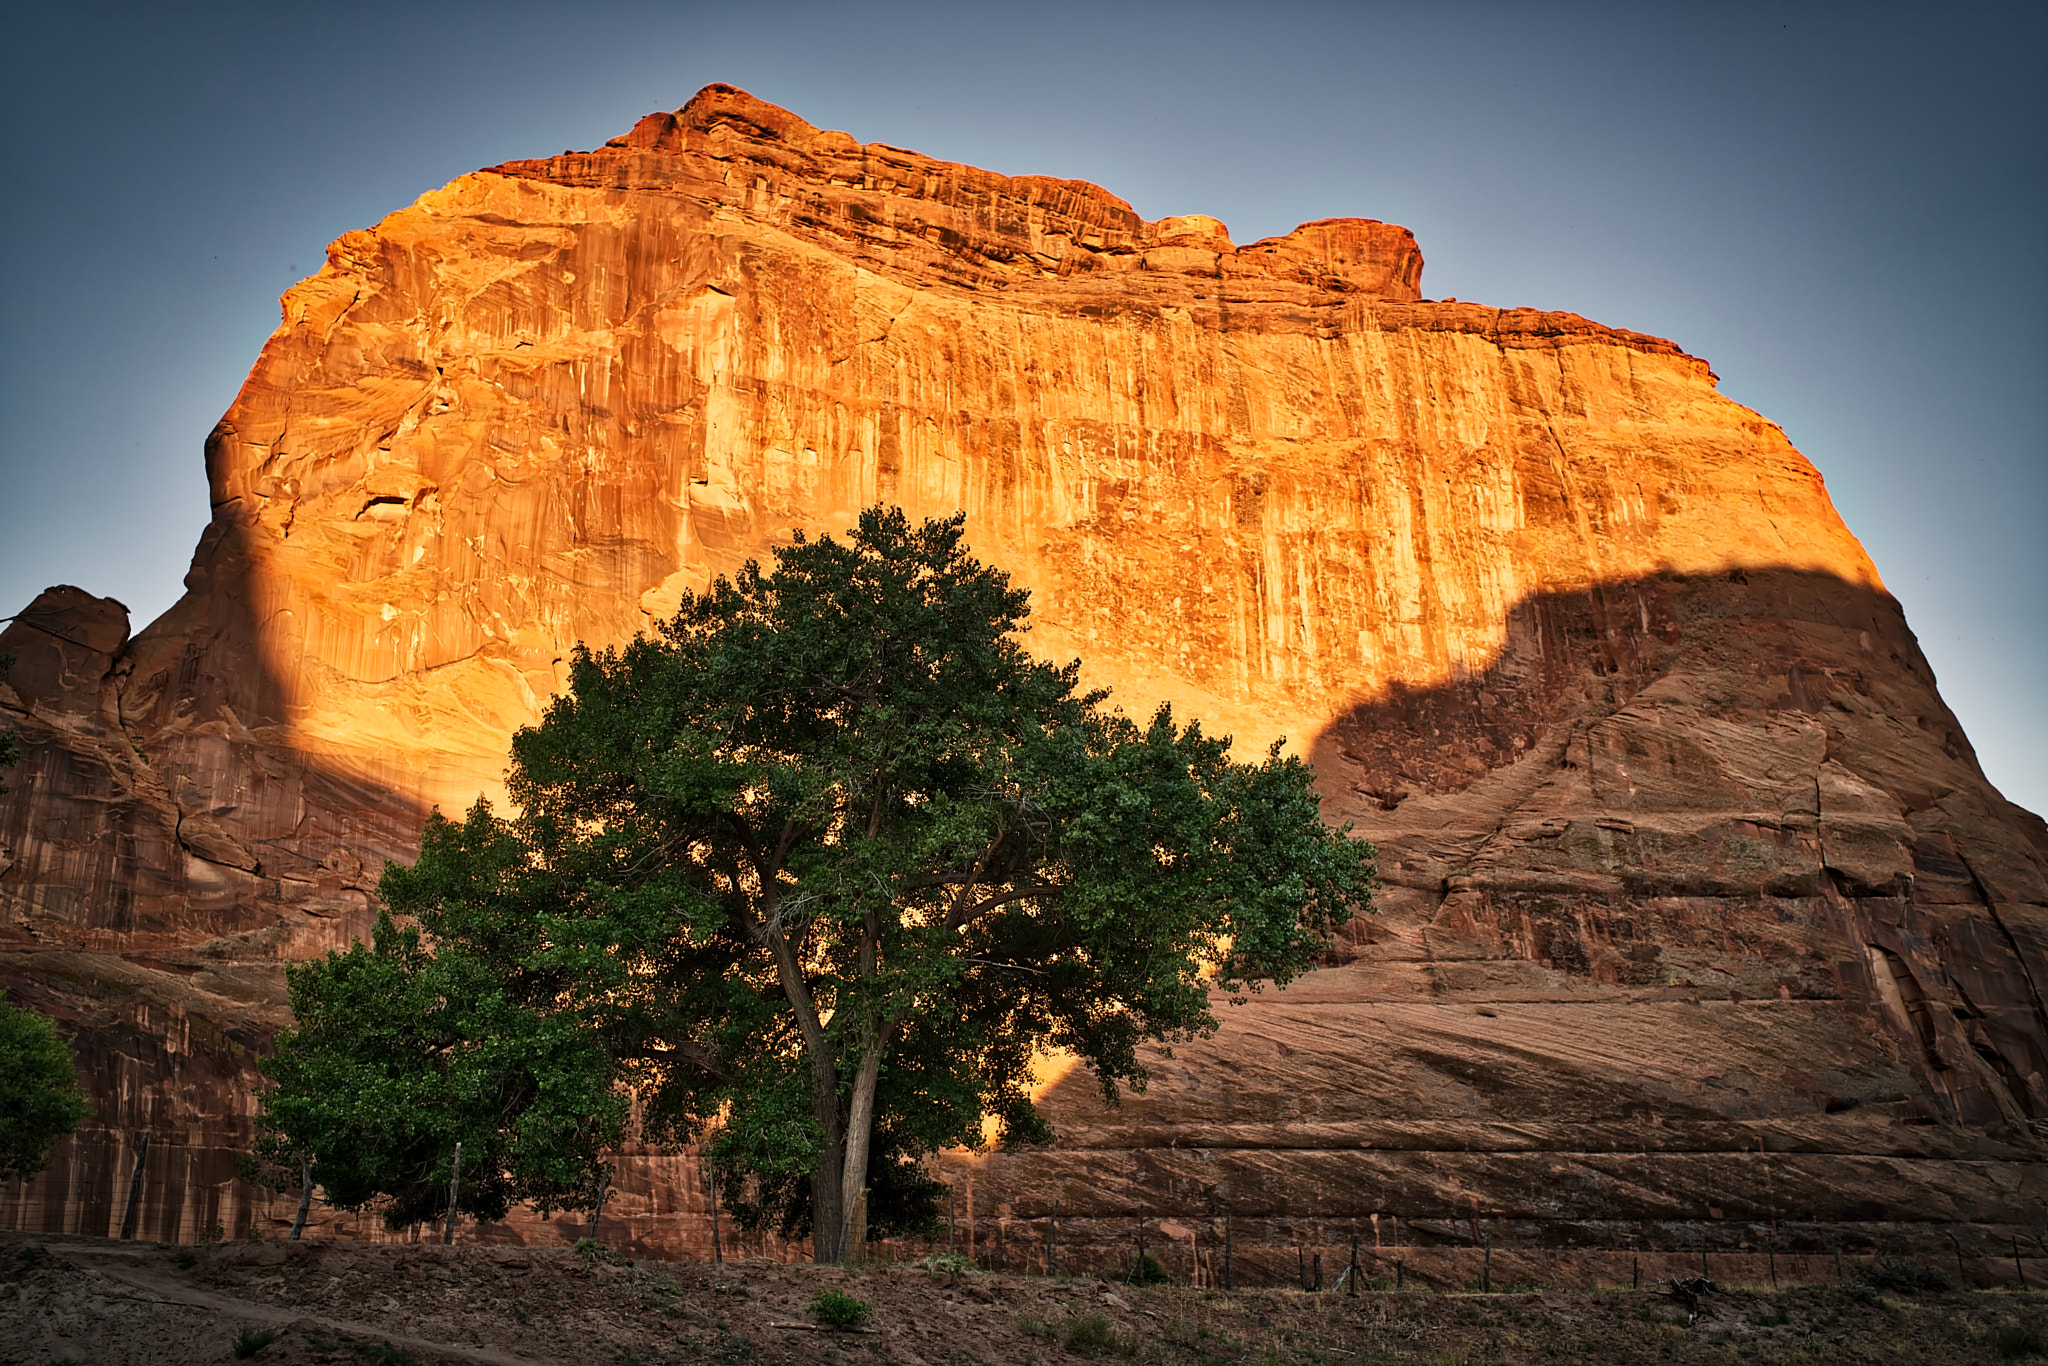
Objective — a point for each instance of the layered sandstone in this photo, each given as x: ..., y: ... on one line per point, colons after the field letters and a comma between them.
x: 1698, y: 906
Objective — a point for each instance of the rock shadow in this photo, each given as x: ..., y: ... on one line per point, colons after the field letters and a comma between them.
x: 164, y: 850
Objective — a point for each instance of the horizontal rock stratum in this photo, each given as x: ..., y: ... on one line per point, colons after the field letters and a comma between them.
x: 1701, y: 924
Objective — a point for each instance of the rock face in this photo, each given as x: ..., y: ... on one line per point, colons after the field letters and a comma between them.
x: 1698, y: 911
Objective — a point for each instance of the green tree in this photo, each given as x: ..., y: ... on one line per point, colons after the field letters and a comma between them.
x: 39, y: 1096
x: 397, y: 1054
x: 826, y: 861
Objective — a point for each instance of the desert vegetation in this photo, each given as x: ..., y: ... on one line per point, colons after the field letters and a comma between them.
x: 809, y: 876
x: 294, y: 1304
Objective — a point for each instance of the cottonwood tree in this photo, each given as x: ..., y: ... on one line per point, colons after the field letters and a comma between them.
x: 397, y: 1053
x: 39, y: 1097
x: 830, y: 857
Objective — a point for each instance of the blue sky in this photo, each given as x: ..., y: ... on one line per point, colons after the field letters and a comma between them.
x: 1840, y: 206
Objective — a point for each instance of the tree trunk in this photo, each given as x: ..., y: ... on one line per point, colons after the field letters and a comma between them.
x: 828, y: 1210
x: 860, y: 1127
x: 305, y: 1195
x: 828, y: 1215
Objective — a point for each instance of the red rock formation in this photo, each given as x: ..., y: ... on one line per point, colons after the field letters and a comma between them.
x: 1698, y: 905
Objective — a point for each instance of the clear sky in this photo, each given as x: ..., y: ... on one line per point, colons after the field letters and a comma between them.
x: 1841, y: 206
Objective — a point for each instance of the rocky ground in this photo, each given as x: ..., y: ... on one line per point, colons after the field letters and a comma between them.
x: 92, y: 1300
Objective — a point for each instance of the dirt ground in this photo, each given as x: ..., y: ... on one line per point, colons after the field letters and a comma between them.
x: 281, y: 1304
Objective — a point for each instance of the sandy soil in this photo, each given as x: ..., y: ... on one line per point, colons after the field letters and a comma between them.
x: 93, y: 1300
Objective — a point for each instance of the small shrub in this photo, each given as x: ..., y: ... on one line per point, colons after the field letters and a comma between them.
x: 1903, y: 1276
x: 840, y: 1309
x: 2012, y: 1342
x: 213, y: 1233
x: 947, y: 1264
x: 184, y: 1258
x: 592, y: 1252
x: 1144, y: 1270
x: 383, y: 1354
x: 250, y: 1341
x: 1092, y: 1335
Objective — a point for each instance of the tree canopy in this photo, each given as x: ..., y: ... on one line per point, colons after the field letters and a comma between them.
x: 398, y: 1053
x: 39, y: 1097
x: 815, y: 870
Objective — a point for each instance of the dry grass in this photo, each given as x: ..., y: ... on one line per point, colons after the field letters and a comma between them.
x: 346, y: 1304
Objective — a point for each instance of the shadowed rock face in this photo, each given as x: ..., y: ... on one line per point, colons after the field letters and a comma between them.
x: 1726, y: 946
x: 1692, y: 880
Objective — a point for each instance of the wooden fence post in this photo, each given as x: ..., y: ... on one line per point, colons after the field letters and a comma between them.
x: 1486, y: 1267
x: 455, y: 1196
x: 1228, y: 1283
x: 717, y: 1235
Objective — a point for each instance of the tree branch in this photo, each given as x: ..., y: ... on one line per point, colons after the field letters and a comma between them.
x: 1014, y: 894
x: 792, y: 831
x: 767, y: 930
x: 956, y: 916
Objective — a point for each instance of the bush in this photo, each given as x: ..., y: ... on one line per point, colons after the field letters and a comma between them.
x: 2011, y: 1341
x: 1091, y: 1335
x: 840, y: 1309
x: 592, y: 1252
x: 250, y: 1341
x: 947, y: 1264
x: 1902, y: 1276
x: 1144, y: 1270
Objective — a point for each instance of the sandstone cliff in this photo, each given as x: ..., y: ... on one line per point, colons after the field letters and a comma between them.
x: 1699, y: 909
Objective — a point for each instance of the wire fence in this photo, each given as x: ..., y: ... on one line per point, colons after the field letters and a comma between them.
x: 174, y: 1192
x: 1476, y: 1252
